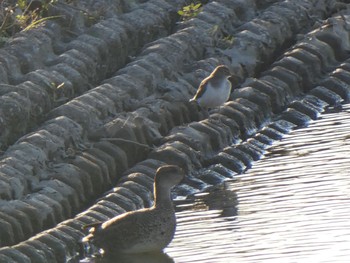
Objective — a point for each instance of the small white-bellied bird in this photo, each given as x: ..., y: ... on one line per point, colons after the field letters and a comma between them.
x: 215, y: 89
x: 145, y: 230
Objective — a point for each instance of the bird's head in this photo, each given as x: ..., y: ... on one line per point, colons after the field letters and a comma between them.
x: 221, y: 70
x: 168, y: 176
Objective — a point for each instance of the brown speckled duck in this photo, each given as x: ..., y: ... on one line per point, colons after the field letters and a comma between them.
x: 145, y: 230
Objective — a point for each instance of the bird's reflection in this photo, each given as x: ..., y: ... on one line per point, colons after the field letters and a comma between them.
x: 152, y: 257
x: 216, y: 198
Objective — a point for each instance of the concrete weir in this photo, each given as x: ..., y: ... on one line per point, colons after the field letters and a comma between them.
x: 90, y: 109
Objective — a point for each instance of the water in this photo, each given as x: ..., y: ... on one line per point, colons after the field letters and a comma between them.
x: 292, y: 206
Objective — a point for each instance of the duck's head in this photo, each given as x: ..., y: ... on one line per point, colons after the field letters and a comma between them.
x: 168, y: 176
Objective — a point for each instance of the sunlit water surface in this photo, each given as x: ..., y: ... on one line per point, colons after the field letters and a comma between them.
x: 292, y: 206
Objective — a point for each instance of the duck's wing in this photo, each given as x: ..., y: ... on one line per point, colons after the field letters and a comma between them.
x: 118, y: 223
x: 120, y: 230
x: 201, y: 89
x: 97, y: 227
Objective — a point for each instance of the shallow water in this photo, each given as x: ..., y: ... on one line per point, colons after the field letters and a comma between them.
x: 292, y: 206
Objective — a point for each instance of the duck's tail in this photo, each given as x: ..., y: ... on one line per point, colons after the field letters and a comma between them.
x: 88, y: 226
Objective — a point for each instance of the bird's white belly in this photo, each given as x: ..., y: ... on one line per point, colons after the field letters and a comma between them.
x: 214, y: 97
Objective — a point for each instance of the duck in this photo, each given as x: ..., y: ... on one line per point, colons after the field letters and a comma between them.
x: 145, y: 230
x: 215, y: 89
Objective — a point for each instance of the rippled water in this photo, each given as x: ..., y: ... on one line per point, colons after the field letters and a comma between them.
x: 292, y: 206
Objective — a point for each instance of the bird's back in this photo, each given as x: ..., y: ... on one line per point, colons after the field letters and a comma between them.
x: 136, y: 232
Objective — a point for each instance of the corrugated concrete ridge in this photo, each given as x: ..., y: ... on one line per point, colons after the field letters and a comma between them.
x: 90, y: 105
